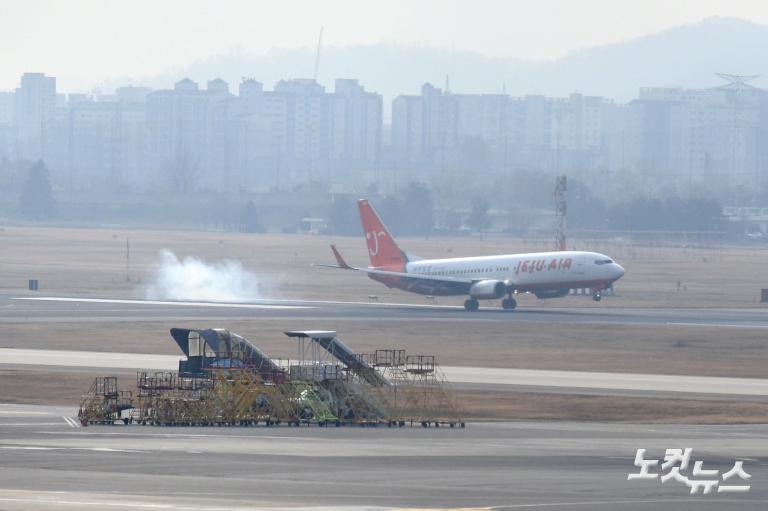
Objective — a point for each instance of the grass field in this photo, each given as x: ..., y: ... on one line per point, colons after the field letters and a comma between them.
x: 582, y: 347
x: 92, y: 262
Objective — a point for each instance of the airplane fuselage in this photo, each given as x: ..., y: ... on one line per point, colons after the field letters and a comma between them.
x: 531, y: 272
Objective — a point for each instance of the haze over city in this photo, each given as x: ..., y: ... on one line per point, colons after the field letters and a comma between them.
x: 102, y: 41
x: 641, y: 103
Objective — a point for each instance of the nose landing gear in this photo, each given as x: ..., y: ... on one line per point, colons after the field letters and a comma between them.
x: 597, y: 296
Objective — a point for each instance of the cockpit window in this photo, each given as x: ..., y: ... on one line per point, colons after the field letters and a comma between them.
x: 604, y: 261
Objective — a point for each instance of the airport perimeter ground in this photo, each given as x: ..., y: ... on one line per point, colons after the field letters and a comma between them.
x: 680, y: 312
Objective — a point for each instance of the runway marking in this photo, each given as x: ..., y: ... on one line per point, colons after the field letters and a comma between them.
x: 19, y: 412
x: 527, y: 314
x: 102, y: 360
x: 558, y: 379
x: 132, y: 432
x: 444, y: 508
x: 289, y: 304
x: 159, y: 302
x: 717, y: 325
x: 65, y: 499
x: 123, y: 505
x: 72, y: 423
x: 27, y: 424
x: 606, y: 503
x: 27, y: 448
x: 380, y: 304
x: 48, y: 448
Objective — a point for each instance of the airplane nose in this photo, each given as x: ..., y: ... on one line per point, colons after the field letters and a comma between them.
x: 619, y: 270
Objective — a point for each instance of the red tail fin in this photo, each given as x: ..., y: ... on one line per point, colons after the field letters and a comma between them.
x: 382, y: 248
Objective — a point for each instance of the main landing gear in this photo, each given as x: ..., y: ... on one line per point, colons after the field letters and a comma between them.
x: 509, y: 303
x: 473, y: 304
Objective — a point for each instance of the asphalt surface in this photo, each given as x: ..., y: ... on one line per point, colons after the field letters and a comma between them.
x: 599, y: 383
x: 41, y: 309
x: 48, y: 462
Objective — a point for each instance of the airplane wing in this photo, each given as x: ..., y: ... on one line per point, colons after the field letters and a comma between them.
x: 342, y: 265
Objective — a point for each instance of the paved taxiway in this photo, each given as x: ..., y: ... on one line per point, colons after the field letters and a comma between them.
x: 41, y: 309
x: 48, y: 462
x: 527, y: 379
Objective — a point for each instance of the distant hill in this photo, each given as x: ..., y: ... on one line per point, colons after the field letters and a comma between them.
x: 687, y: 56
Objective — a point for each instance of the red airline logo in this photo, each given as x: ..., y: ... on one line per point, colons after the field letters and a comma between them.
x: 536, y: 265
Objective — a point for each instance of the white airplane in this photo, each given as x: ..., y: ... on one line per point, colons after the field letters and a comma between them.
x: 545, y: 274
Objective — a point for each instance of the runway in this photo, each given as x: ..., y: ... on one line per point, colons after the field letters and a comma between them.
x: 49, y: 462
x: 600, y: 383
x: 41, y: 309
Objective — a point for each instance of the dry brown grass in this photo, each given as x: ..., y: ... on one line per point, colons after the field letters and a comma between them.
x: 65, y: 388
x: 92, y: 261
x: 567, y: 407
x: 38, y: 387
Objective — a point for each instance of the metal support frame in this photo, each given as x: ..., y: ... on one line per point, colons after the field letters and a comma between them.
x: 331, y: 384
x: 561, y: 187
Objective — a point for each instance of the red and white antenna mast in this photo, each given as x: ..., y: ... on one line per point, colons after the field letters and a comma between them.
x: 317, y: 55
x: 560, y: 210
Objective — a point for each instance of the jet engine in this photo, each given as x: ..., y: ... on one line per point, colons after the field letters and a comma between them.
x: 488, y: 289
x: 551, y: 293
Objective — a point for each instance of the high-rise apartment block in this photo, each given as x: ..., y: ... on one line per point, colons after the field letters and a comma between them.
x: 214, y: 138
x: 34, y: 113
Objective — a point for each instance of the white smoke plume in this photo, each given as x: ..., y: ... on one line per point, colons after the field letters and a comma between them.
x: 192, y: 279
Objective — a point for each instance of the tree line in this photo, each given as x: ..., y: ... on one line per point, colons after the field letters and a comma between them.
x: 673, y: 213
x: 412, y: 213
x: 412, y: 210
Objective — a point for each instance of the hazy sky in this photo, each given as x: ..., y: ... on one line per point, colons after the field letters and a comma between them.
x: 83, y: 42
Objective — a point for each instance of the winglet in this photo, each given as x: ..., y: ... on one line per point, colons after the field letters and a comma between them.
x: 340, y: 260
